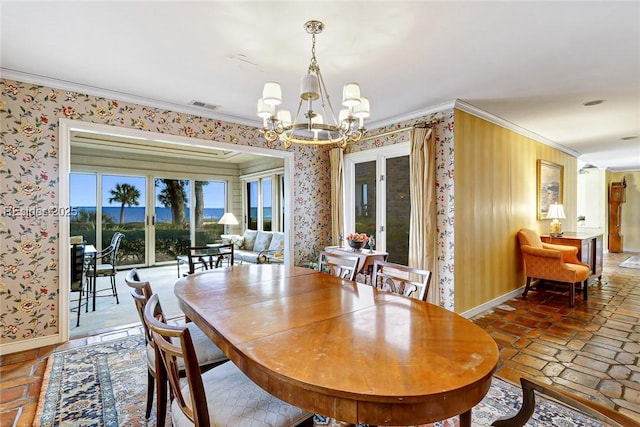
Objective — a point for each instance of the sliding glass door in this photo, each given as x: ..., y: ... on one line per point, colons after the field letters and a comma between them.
x: 209, y: 202
x: 170, y: 225
x: 159, y: 216
x: 104, y: 204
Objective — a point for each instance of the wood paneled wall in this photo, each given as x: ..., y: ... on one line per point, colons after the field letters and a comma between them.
x: 495, y: 196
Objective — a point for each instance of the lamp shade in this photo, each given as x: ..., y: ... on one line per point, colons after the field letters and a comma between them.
x: 351, y: 95
x: 310, y: 87
x: 556, y: 212
x: 362, y: 110
x: 272, y: 93
x: 265, y: 110
x: 285, y: 117
x: 228, y: 219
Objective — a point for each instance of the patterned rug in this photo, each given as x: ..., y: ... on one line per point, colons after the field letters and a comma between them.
x: 105, y: 385
x: 631, y: 262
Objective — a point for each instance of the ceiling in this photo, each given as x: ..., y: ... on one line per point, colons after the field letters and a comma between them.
x: 530, y: 64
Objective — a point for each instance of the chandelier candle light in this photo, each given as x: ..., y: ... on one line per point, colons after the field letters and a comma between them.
x: 309, y: 127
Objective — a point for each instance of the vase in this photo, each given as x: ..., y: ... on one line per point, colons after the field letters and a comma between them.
x: 356, y: 246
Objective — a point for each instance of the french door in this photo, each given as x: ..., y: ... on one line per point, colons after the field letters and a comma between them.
x: 377, y: 202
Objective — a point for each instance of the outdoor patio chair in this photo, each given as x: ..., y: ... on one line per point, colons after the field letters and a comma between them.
x: 78, y: 278
x: 104, y: 265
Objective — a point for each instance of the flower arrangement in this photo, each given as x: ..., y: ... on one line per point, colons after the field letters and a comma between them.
x: 358, y: 237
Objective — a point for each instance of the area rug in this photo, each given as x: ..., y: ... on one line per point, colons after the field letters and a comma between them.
x: 105, y: 385
x: 631, y: 262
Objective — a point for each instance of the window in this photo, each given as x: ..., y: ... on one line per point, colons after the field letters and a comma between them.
x: 264, y: 201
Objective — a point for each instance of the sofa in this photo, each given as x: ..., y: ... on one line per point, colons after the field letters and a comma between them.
x: 257, y: 247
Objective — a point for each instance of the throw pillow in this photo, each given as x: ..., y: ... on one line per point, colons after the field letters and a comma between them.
x: 236, y: 240
x: 277, y: 242
x: 250, y: 239
x: 262, y: 241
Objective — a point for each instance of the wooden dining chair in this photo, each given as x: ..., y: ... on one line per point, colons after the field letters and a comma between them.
x: 336, y: 264
x: 595, y: 410
x: 207, y: 354
x: 400, y: 279
x: 222, y: 396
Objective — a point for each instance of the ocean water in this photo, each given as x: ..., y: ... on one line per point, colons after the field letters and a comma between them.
x: 137, y: 213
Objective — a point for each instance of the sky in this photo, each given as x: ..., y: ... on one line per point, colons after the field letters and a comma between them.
x: 82, y: 190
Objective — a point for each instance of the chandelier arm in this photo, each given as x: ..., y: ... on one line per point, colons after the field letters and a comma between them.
x: 323, y: 90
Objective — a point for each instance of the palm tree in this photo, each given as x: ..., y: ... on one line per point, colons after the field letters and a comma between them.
x: 174, y: 196
x: 126, y: 194
x: 86, y: 220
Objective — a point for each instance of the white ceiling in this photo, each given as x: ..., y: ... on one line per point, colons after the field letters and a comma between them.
x: 533, y: 64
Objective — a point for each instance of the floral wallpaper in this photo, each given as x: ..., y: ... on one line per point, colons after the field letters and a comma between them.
x: 29, y: 190
x: 444, y: 184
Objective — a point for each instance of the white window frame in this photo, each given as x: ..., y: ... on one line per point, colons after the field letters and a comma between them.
x: 277, y: 203
x: 379, y: 155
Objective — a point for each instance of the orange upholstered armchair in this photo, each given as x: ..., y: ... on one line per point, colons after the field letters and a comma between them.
x: 557, y: 263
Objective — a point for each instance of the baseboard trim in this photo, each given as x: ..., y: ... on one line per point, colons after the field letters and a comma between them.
x: 492, y: 303
x: 25, y: 345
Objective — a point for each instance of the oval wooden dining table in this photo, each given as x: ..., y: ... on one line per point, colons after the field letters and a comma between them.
x: 340, y: 348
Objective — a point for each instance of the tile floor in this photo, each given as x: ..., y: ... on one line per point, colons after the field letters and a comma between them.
x: 592, y: 349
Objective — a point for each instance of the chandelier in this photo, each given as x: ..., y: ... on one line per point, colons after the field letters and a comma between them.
x: 313, y: 127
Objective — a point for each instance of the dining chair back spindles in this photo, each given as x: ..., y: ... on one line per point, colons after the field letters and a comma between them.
x: 337, y: 264
x: 401, y: 279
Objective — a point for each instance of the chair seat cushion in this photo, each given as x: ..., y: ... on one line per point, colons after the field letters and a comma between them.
x: 102, y: 270
x: 234, y: 400
x: 206, y: 351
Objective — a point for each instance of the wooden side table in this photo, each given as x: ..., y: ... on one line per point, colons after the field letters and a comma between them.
x: 590, y: 248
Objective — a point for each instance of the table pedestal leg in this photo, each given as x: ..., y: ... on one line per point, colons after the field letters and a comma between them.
x: 465, y: 419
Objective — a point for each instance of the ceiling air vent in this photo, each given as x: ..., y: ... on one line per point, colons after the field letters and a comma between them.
x: 211, y: 107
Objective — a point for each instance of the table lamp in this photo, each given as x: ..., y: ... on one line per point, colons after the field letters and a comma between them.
x: 555, y: 213
x: 228, y: 219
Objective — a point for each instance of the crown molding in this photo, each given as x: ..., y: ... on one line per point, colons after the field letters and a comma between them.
x: 120, y: 96
x: 200, y: 112
x: 472, y: 109
x: 412, y: 115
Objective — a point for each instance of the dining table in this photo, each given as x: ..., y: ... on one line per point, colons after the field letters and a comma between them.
x: 340, y: 348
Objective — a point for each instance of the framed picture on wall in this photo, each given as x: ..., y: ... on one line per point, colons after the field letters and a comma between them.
x: 550, y: 182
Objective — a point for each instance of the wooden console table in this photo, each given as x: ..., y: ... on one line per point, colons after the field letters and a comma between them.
x: 590, y: 248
